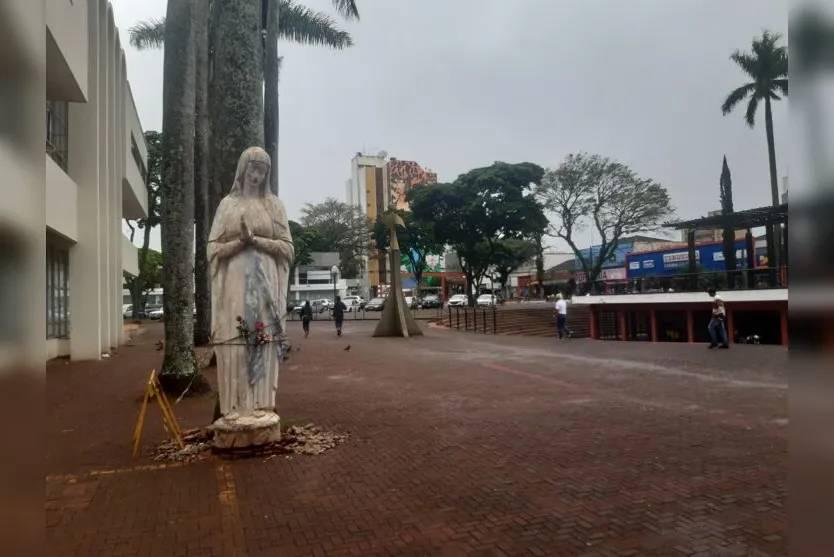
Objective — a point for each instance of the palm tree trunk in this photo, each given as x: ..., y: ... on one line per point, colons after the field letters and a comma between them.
x: 236, y: 91
x: 271, y: 71
x: 177, y: 193
x: 773, y: 258
x: 202, y: 282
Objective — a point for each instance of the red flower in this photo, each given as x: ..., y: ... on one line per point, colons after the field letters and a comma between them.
x: 259, y: 325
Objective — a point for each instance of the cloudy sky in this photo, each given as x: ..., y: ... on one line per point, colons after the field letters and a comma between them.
x: 458, y: 84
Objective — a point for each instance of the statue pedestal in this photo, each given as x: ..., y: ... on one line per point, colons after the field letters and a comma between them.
x: 236, y: 432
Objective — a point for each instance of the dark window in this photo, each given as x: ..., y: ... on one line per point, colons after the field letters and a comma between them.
x: 57, y: 131
x: 57, y: 292
x: 380, y: 191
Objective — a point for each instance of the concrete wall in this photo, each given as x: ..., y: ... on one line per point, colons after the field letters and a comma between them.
x: 22, y: 213
x: 61, y: 201
x: 67, y: 67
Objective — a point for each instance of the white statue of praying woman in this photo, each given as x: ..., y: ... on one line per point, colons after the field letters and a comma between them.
x: 250, y: 251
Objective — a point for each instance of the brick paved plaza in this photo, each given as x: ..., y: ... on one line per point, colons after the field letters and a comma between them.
x: 461, y: 444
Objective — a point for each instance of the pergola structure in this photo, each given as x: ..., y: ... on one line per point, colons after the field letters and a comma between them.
x: 770, y: 217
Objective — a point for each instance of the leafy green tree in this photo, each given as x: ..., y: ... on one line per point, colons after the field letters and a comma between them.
x: 590, y: 190
x: 767, y: 67
x: 341, y: 228
x: 153, y: 179
x: 728, y: 235
x: 416, y: 242
x: 510, y: 254
x: 478, y: 210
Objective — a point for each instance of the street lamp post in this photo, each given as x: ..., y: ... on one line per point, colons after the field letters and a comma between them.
x: 334, y: 273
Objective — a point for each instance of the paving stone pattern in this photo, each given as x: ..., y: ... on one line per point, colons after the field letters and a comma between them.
x: 460, y: 445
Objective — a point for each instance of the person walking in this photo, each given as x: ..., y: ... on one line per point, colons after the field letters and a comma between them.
x: 717, y: 324
x: 561, y: 307
x: 339, y: 309
x: 306, y: 317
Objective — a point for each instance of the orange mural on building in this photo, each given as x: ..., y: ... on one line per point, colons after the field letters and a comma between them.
x: 402, y: 176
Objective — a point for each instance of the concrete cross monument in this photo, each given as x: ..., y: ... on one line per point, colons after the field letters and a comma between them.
x: 396, y: 319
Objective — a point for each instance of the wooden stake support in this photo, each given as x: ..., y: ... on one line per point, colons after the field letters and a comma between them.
x: 154, y: 390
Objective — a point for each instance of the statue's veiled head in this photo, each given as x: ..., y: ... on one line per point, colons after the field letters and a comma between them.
x: 252, y: 176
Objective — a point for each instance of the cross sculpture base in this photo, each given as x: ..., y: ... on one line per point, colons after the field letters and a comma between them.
x: 396, y: 319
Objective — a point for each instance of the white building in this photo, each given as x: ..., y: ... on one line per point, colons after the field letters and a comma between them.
x: 95, y: 160
x: 316, y: 280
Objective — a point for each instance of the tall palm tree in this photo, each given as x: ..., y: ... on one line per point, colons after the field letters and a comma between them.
x: 296, y: 23
x: 177, y: 193
x: 767, y: 66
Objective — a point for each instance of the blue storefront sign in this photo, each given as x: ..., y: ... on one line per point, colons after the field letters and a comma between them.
x: 675, y: 261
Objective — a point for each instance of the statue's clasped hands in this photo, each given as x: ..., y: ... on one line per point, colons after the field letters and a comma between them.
x: 247, y: 237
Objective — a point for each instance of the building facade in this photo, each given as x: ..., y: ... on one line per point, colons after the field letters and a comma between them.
x: 317, y: 280
x: 95, y: 160
x: 376, y: 184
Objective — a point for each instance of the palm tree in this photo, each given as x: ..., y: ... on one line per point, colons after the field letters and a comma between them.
x: 767, y: 66
x: 296, y: 23
x: 177, y: 194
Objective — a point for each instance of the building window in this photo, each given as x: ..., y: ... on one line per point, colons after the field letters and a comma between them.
x: 57, y: 292
x: 57, y: 131
x: 380, y: 191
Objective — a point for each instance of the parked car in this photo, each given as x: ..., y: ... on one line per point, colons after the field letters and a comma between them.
x: 156, y: 313
x: 431, y: 301
x: 486, y: 301
x: 412, y: 302
x: 376, y: 304
x: 353, y: 303
x: 458, y: 300
x: 319, y: 306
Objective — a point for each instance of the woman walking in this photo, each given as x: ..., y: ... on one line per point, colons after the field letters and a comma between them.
x: 306, y: 317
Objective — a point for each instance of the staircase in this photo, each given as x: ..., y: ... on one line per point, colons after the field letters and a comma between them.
x: 523, y: 320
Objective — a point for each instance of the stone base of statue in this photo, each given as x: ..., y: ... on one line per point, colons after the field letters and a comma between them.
x: 240, y: 432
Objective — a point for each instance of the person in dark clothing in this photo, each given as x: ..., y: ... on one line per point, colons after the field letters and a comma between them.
x: 306, y: 317
x: 339, y: 309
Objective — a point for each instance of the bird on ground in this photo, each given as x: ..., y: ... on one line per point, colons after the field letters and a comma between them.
x: 347, y: 348
x: 298, y: 348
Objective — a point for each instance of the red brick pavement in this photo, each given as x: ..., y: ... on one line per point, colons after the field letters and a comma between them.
x: 461, y: 444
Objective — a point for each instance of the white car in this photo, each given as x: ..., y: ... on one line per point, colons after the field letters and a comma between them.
x: 156, y: 314
x: 486, y: 301
x: 458, y: 300
x: 353, y: 303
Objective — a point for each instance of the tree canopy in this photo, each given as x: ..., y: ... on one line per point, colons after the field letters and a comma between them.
x: 591, y: 190
x: 339, y: 227
x: 478, y: 210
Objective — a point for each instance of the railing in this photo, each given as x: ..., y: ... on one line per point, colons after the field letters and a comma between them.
x: 742, y: 279
x: 365, y: 315
x: 470, y: 319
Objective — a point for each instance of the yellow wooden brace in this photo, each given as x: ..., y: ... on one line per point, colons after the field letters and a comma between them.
x: 170, y: 420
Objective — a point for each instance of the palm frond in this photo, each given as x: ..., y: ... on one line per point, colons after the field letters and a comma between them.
x: 736, y: 97
x: 148, y: 34
x: 750, y: 115
x: 347, y: 9
x: 749, y: 63
x: 781, y: 85
x: 302, y: 25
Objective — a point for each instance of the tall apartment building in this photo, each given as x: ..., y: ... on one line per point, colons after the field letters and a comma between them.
x: 93, y: 156
x: 377, y: 183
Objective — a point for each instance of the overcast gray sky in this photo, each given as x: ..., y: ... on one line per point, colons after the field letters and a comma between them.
x: 458, y: 84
